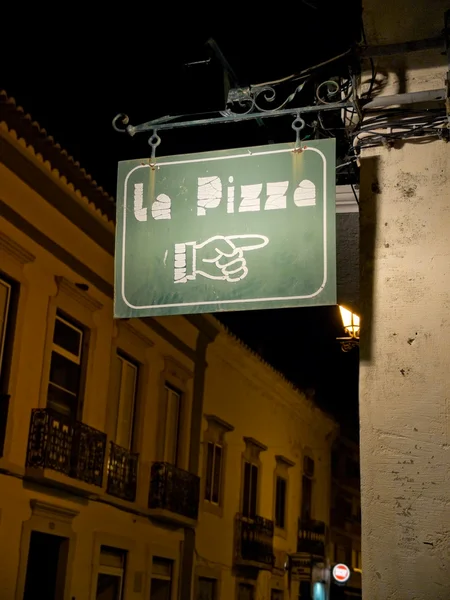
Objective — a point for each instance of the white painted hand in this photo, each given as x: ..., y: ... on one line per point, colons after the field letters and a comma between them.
x: 219, y: 257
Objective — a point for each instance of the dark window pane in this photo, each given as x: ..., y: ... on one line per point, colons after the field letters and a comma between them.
x: 108, y: 587
x: 61, y: 401
x: 65, y: 373
x: 254, y: 490
x: 217, y: 471
x: 67, y: 337
x: 206, y: 589
x: 246, y: 492
x: 280, y: 502
x: 160, y: 589
x: 209, y: 470
x: 245, y: 591
x: 306, y: 497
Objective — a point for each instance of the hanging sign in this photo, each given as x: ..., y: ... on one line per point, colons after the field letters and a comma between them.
x: 229, y: 230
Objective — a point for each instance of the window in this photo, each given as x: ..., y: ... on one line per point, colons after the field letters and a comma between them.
x: 65, y: 367
x: 356, y: 561
x: 173, y: 407
x: 276, y: 594
x: 5, y: 316
x: 111, y: 574
x: 306, y: 498
x: 213, y: 472
x: 280, y: 502
x: 246, y: 591
x: 125, y: 376
x: 207, y: 588
x: 161, y: 583
x: 250, y: 494
x: 343, y: 508
x: 341, y: 554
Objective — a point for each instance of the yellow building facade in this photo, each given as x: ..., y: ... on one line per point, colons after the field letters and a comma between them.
x: 154, y: 458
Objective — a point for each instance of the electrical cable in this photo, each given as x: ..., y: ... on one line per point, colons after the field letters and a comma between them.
x: 303, y: 73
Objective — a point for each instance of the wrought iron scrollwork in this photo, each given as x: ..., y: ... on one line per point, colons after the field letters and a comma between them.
x: 174, y: 489
x: 56, y: 442
x: 258, y: 98
x: 122, y: 473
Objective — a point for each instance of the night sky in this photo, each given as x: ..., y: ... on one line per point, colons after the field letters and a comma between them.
x: 75, y: 73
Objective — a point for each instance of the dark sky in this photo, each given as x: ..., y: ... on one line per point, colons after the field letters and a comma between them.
x: 75, y: 73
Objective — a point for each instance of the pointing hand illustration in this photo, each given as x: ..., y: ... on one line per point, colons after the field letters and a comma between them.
x: 220, y: 257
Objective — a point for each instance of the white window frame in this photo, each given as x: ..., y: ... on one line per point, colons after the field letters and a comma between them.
x: 115, y: 571
x: 169, y: 578
x: 257, y: 465
x: 65, y: 353
x: 6, y: 315
x: 215, y: 445
x: 134, y: 364
x: 169, y: 389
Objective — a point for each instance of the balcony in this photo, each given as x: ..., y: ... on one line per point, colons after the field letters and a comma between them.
x: 122, y: 473
x: 311, y: 537
x: 254, y: 542
x: 174, y: 494
x: 62, y: 446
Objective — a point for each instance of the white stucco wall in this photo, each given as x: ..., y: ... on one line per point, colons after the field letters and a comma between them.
x: 405, y: 376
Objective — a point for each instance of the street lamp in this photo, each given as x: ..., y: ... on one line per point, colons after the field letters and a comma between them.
x: 351, y: 323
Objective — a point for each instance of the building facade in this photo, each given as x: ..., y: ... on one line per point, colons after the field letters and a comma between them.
x: 154, y: 458
x: 345, y: 518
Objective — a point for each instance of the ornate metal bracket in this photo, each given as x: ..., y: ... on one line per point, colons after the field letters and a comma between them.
x: 348, y: 343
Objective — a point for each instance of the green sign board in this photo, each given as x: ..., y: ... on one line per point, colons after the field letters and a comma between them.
x: 230, y: 230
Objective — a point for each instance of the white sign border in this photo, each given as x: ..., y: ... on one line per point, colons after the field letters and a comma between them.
x: 240, y: 301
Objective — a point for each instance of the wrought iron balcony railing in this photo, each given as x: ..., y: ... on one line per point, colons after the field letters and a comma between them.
x: 174, y: 490
x: 311, y: 537
x: 56, y: 442
x: 122, y: 473
x: 254, y: 541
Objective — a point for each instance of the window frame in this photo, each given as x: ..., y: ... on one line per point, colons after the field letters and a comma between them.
x: 215, y: 445
x: 256, y: 466
x: 81, y: 359
x: 282, y: 466
x: 245, y: 582
x: 282, y: 507
x: 216, y: 433
x: 307, y: 460
x: 173, y: 572
x: 125, y: 357
x: 205, y: 578
x: 169, y: 388
x: 4, y: 334
x: 251, y: 455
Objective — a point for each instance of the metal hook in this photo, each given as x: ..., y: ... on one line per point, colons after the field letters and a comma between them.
x: 154, y: 142
x: 297, y: 125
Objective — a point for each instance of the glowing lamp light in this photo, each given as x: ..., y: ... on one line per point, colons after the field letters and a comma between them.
x: 351, y: 322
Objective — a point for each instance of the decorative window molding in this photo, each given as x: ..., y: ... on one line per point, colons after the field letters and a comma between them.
x: 283, y: 463
x: 73, y: 291
x: 176, y: 373
x: 52, y: 511
x: 49, y: 519
x: 214, y: 464
x: 253, y: 448
x: 128, y: 325
x: 15, y: 250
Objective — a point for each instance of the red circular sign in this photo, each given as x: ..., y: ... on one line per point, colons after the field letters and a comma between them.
x: 341, y: 573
